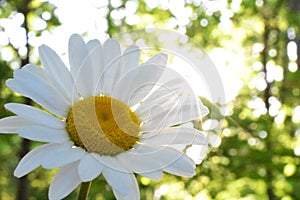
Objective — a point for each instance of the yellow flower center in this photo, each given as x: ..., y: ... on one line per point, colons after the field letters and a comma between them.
x: 103, y: 125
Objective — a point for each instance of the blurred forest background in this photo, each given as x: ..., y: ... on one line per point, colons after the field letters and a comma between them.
x: 259, y: 156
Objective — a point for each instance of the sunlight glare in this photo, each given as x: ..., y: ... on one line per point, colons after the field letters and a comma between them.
x: 293, y: 66
x: 257, y: 66
x: 162, y: 190
x: 296, y: 114
x: 197, y: 152
x: 46, y: 15
x: 291, y: 33
x: 210, y: 124
x: 280, y: 118
x: 275, y: 106
x: 39, y: 24
x: 263, y: 134
x: 292, y: 51
x: 3, y: 39
x: 235, y: 5
x: 297, y: 151
x: 7, y: 54
x: 258, y: 106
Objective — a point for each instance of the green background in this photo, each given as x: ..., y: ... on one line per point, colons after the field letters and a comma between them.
x: 259, y: 154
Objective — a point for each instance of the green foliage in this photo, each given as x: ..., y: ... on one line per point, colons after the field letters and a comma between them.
x: 257, y: 158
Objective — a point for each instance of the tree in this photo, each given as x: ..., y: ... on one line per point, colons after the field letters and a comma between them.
x: 259, y: 154
x: 27, y: 11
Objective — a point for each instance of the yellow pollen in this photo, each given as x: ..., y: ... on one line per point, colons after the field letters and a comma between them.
x: 102, y: 125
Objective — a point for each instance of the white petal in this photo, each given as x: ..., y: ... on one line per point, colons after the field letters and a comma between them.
x: 33, y: 159
x: 130, y: 60
x: 119, y: 181
x: 97, y: 60
x: 40, y: 76
x: 141, y: 163
x: 63, y: 154
x: 64, y: 182
x: 112, y: 52
x: 134, y: 193
x: 77, y: 53
x: 147, y: 159
x: 188, y: 125
x: 40, y: 90
x: 13, y: 124
x: 174, y: 102
x: 183, y: 166
x: 35, y: 115
x: 89, y: 168
x: 167, y: 95
x: 156, y: 175
x: 112, y: 163
x: 159, y: 59
x: 91, y: 45
x: 175, y: 135
x: 164, y: 116
x: 197, y: 152
x: 44, y: 134
x: 161, y: 97
x: 37, y: 70
x: 179, y: 147
x: 166, y: 159
x: 81, y: 66
x: 137, y: 83
x: 59, y: 73
x: 214, y: 140
x: 203, y: 109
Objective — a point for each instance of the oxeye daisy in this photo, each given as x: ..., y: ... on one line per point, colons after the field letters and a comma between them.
x: 105, y: 114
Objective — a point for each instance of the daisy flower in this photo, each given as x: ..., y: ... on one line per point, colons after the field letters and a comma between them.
x: 105, y: 114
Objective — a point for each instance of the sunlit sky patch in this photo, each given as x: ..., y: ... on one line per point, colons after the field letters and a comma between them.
x: 89, y: 18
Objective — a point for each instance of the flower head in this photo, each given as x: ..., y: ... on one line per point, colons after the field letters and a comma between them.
x: 107, y: 115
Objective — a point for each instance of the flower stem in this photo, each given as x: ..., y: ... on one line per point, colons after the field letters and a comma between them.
x: 84, y: 190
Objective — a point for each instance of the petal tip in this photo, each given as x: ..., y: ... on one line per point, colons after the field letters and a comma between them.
x: 75, y: 38
x: 8, y: 106
x: 163, y: 55
x: 8, y: 82
x: 17, y: 174
x: 42, y: 49
x: 112, y: 43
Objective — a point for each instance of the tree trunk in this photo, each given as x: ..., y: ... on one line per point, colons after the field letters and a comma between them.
x: 22, y: 189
